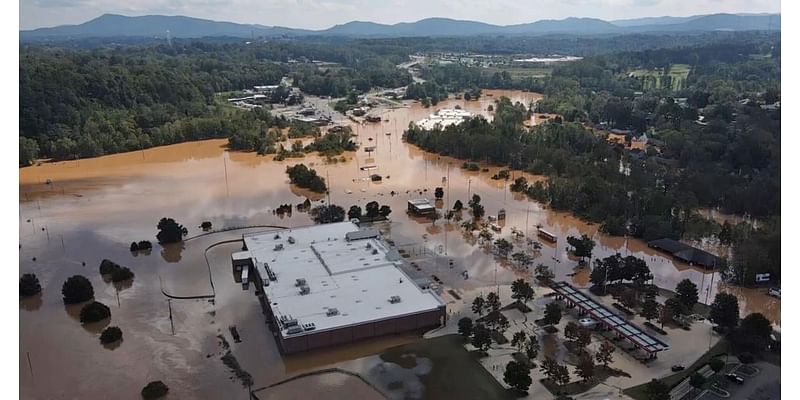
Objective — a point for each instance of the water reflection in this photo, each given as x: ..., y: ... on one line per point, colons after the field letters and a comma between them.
x: 31, y: 303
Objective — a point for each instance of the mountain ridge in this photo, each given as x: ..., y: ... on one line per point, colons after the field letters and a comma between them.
x: 179, y: 26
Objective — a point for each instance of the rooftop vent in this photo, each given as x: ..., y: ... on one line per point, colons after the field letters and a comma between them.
x: 332, y: 311
x: 277, y: 236
x: 300, y: 282
x: 305, y: 290
x: 291, y: 240
x: 278, y: 247
x: 394, y: 299
x: 290, y: 322
x: 309, y: 326
x: 374, y: 251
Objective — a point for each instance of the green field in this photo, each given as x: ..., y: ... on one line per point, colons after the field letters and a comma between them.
x: 654, y: 79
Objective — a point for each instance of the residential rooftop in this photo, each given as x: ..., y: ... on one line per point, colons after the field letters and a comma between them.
x: 324, y: 279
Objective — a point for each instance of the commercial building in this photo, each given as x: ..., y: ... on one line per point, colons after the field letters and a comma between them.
x: 688, y: 254
x: 421, y: 207
x: 444, y: 118
x: 332, y: 284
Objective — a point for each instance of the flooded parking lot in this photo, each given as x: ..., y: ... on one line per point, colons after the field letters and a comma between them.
x: 94, y: 208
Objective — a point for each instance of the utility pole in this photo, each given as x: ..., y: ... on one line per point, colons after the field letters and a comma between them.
x: 171, y: 324
x: 225, y: 164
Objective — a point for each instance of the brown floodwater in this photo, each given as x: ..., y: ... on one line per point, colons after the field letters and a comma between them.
x: 93, y: 208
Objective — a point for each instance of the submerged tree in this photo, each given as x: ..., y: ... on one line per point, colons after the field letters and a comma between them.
x: 29, y: 285
x: 111, y: 335
x: 77, y: 289
x: 170, y: 231
x: 154, y: 390
x: 326, y: 214
x: 94, y: 311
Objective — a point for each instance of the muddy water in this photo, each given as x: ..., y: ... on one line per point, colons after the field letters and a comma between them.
x: 94, y: 208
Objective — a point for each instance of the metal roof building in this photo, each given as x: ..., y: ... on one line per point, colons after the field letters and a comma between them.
x: 609, y: 320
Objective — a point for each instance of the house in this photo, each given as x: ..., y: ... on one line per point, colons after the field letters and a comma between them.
x: 639, y: 143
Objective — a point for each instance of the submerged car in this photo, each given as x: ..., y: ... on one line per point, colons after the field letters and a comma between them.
x: 678, y: 367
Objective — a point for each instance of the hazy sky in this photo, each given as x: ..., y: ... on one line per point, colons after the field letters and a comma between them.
x: 316, y: 14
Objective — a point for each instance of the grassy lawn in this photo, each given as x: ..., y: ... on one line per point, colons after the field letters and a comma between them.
x: 639, y: 392
x: 456, y: 373
x: 678, y: 73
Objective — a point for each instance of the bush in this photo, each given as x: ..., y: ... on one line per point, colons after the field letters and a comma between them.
x: 134, y: 246
x: 145, y: 245
x: 154, y: 390
x: 77, y: 289
x: 29, y: 285
x: 170, y: 231
x: 206, y: 225
x: 94, y: 311
x: 107, y: 267
x: 110, y: 335
x: 716, y: 364
x: 121, y: 274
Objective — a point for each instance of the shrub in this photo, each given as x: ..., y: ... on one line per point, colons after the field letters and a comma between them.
x: 94, y: 311
x: 134, y: 246
x: 716, y: 364
x: 206, y: 225
x: 110, y: 335
x: 107, y: 267
x: 170, y: 231
x: 77, y: 289
x: 29, y: 285
x: 145, y: 245
x: 154, y: 390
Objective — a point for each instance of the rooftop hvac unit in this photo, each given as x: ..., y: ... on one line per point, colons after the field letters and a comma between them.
x: 291, y: 240
x: 300, y: 282
x: 369, y: 245
x: 332, y: 311
x: 278, y: 247
x: 309, y: 326
x: 374, y: 251
x: 277, y: 236
x: 290, y: 322
x: 293, y: 330
x: 394, y: 299
x: 305, y: 290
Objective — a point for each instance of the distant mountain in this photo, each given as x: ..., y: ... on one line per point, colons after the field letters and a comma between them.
x: 111, y: 25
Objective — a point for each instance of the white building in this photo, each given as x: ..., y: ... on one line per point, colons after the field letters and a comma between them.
x: 331, y: 284
x: 444, y: 118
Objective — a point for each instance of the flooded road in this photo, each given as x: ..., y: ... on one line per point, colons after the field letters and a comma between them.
x: 94, y: 208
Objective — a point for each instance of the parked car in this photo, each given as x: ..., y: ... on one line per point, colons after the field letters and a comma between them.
x: 587, y: 322
x: 775, y: 292
x: 678, y: 367
x: 735, y: 378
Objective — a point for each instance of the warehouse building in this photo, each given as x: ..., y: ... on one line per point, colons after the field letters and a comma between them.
x: 333, y: 284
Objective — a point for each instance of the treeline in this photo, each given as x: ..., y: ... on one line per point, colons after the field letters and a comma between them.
x: 89, y: 102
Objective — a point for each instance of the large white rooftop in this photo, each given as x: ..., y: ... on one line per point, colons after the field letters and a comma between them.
x: 444, y: 117
x: 356, y: 277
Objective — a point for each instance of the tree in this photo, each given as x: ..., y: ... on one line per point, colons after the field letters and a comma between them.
x: 121, y: 274
x: 458, y: 205
x: 561, y: 376
x: 552, y: 313
x: 28, y: 151
x: 522, y: 291
x: 503, y: 247
x: 518, y: 376
x: 385, y: 211
x: 582, y: 246
x: 697, y: 380
x: 753, y: 334
x: 665, y: 315
x: 477, y: 208
x: 716, y: 364
x: 110, y: 335
x: 518, y: 340
x: 548, y: 368
x: 532, y: 348
x: 206, y: 225
x: 326, y: 214
x: 478, y: 305
x: 725, y: 310
x: 493, y: 301
x: 170, y: 231
x: 604, y: 353
x: 676, y: 307
x: 465, y: 327
x: 585, y: 367
x: 154, y: 390
x: 650, y: 306
x: 571, y: 330
x: 481, y: 337
x: 134, y: 247
x: 77, y: 289
x: 107, y: 266
x: 686, y: 292
x: 584, y: 338
x: 29, y: 285
x: 354, y: 212
x: 372, y: 210
x: 439, y: 193
x: 657, y: 390
x: 499, y: 322
x: 628, y: 297
x: 94, y: 311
